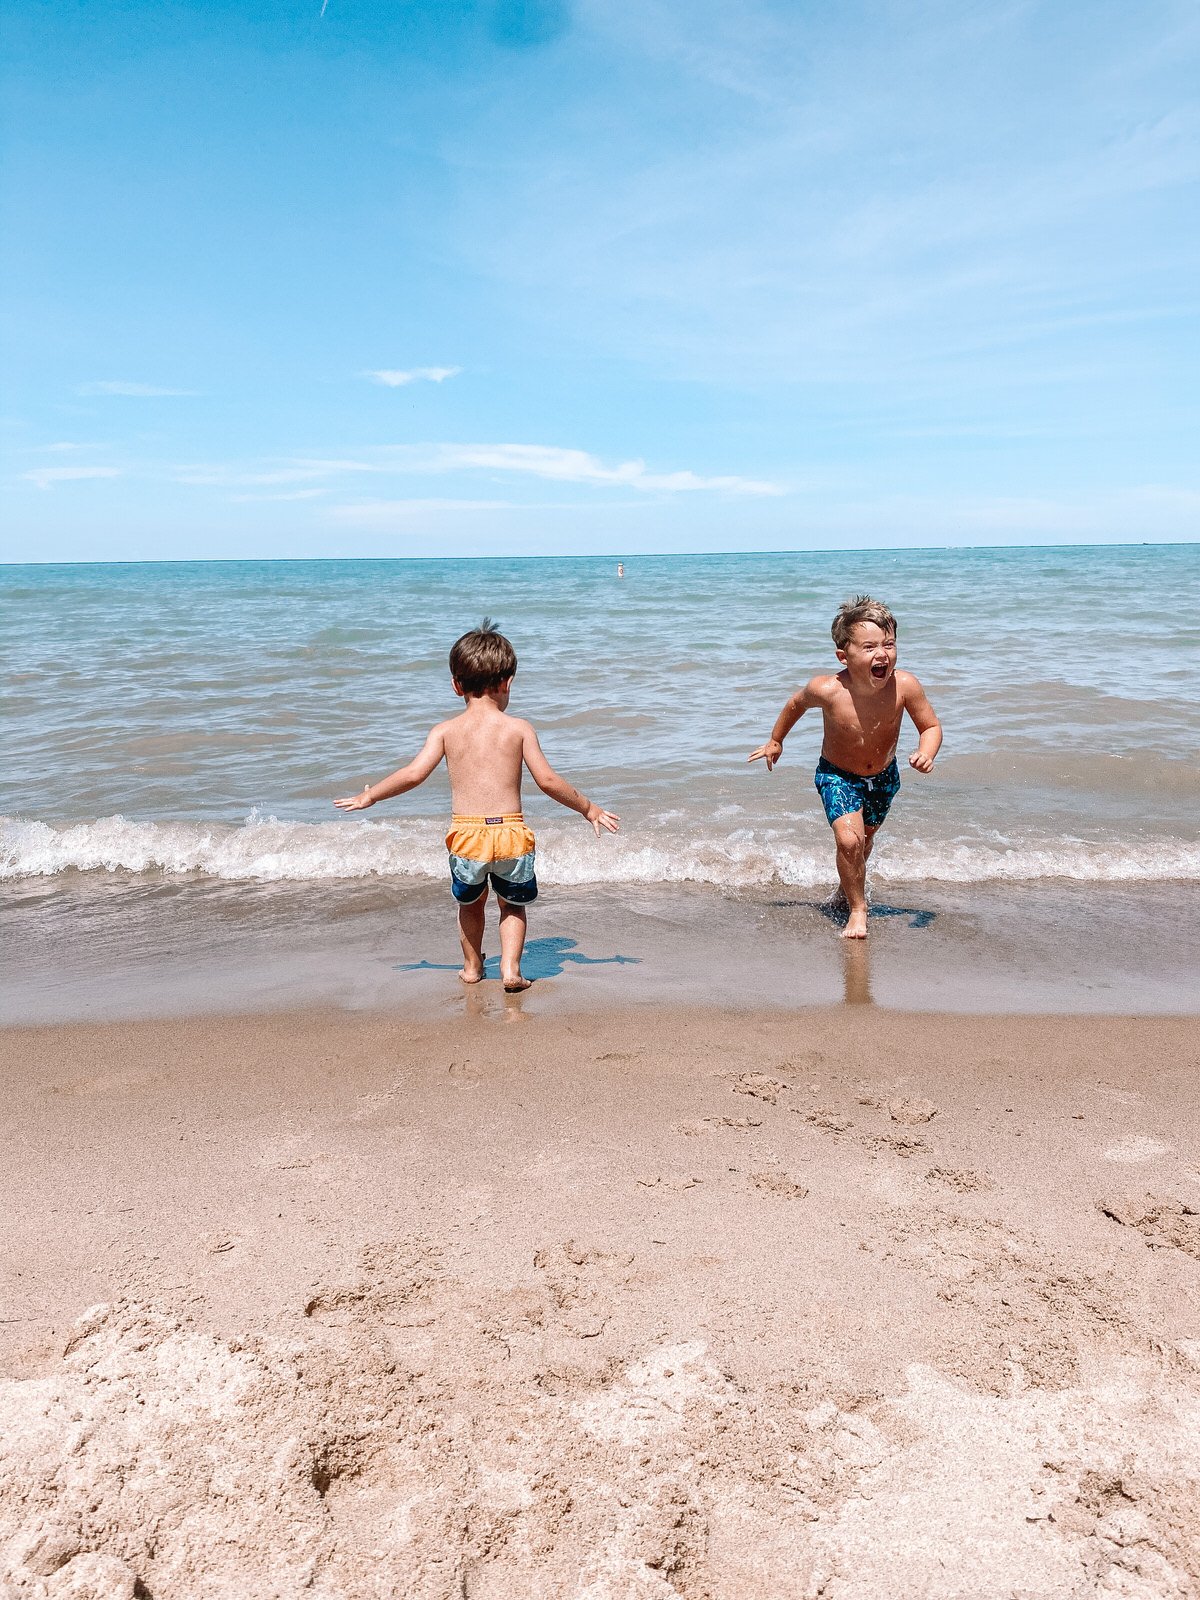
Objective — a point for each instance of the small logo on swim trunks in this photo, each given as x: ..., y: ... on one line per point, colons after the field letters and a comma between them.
x: 493, y: 820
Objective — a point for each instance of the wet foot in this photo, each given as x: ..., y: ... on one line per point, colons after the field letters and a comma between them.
x: 472, y: 973
x: 856, y: 925
x: 515, y: 984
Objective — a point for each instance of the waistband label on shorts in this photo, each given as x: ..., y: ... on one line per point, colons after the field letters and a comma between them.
x: 493, y: 820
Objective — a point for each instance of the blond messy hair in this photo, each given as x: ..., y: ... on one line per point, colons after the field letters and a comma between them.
x: 482, y: 659
x: 861, y: 609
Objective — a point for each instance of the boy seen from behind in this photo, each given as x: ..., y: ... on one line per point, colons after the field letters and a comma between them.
x: 862, y: 706
x: 485, y: 751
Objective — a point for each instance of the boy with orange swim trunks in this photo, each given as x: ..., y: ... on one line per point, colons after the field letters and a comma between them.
x: 485, y: 751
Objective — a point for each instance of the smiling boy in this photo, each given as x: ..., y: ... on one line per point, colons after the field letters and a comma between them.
x: 863, y: 705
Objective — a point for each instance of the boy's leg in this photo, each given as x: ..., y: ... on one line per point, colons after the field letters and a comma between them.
x: 512, y: 943
x: 470, y: 934
x: 850, y: 837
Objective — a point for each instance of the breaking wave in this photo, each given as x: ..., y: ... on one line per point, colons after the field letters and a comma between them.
x: 265, y: 850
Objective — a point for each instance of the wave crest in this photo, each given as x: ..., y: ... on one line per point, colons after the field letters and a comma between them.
x: 265, y: 849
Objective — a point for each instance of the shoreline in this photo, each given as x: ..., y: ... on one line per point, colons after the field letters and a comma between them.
x: 101, y: 949
x: 643, y: 1302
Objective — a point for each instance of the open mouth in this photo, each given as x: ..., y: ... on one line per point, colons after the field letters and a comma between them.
x: 879, y: 670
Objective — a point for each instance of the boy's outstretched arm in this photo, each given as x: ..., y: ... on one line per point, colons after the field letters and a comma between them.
x: 803, y: 700
x: 549, y: 782
x: 929, y: 729
x: 402, y: 780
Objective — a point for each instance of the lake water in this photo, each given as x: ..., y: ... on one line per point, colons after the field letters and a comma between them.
x: 174, y: 725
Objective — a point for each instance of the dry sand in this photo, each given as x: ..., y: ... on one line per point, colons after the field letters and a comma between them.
x: 844, y: 1304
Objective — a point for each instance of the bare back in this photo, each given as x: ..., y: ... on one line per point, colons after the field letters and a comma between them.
x: 484, y: 753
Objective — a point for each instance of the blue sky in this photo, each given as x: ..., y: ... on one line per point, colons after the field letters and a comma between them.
x: 524, y: 276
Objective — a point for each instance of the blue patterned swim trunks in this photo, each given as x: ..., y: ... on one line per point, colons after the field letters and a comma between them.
x: 844, y: 792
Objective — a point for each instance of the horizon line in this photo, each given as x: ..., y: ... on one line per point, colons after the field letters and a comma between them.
x: 615, y: 555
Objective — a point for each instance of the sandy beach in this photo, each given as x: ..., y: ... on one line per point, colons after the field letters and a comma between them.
x: 835, y: 1303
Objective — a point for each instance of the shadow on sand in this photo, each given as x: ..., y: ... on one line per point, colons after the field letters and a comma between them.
x: 543, y: 958
x: 835, y: 911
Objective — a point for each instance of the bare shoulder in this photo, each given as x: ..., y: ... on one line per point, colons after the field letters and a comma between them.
x: 908, y: 684
x: 520, y: 727
x: 819, y: 691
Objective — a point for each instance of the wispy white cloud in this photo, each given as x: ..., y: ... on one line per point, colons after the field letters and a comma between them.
x: 578, y: 466
x: 548, y: 462
x: 140, y: 391
x: 396, y: 378
x: 221, y: 476
x: 381, y: 513
x: 44, y: 477
x: 294, y: 494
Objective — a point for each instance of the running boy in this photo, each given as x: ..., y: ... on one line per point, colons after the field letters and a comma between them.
x: 485, y: 750
x: 857, y: 777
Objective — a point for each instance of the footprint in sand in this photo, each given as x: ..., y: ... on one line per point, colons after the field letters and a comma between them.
x: 709, y: 1124
x: 1138, y: 1147
x: 778, y: 1183
x: 900, y: 1144
x: 760, y: 1085
x: 581, y: 1283
x: 830, y: 1121
x: 368, y: 1105
x: 1161, y: 1220
x: 912, y: 1111
x: 961, y: 1180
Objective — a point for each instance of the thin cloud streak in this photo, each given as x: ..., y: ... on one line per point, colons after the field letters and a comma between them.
x: 395, y: 378
x: 139, y: 391
x: 294, y: 494
x: 578, y: 466
x: 548, y: 462
x: 376, y: 513
x: 45, y: 477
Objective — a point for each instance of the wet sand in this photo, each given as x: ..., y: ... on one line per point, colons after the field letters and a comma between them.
x: 641, y: 1303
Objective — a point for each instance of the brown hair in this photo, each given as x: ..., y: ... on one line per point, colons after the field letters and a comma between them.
x: 861, y: 609
x: 482, y: 659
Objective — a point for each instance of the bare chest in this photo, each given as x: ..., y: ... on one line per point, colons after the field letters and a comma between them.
x: 868, y: 727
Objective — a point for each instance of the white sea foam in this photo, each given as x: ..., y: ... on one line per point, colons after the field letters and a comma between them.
x: 265, y: 850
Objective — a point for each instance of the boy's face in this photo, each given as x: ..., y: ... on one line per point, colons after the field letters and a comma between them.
x: 870, y: 655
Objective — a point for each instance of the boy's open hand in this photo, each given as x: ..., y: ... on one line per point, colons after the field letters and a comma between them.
x: 769, y: 752
x: 920, y: 762
x: 356, y: 802
x: 601, y: 819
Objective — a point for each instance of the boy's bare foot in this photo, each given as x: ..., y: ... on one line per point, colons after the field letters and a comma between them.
x: 470, y: 972
x: 515, y: 985
x: 856, y: 925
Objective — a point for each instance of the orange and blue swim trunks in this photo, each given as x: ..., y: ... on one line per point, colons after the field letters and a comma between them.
x: 499, y: 849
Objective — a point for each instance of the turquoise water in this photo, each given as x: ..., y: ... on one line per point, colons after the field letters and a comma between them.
x: 181, y: 722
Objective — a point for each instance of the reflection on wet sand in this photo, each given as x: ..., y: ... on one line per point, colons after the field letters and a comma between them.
x: 856, y: 973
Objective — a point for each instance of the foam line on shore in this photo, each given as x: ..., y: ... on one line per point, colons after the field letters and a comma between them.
x: 266, y: 849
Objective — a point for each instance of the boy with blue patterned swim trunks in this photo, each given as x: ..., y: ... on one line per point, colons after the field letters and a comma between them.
x: 863, y: 705
x: 486, y: 752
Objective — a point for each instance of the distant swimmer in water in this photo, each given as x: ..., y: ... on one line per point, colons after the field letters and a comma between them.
x: 863, y: 705
x: 620, y: 569
x: 489, y: 841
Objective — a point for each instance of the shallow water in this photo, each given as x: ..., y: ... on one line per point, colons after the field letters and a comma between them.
x: 173, y: 725
x: 197, y: 718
